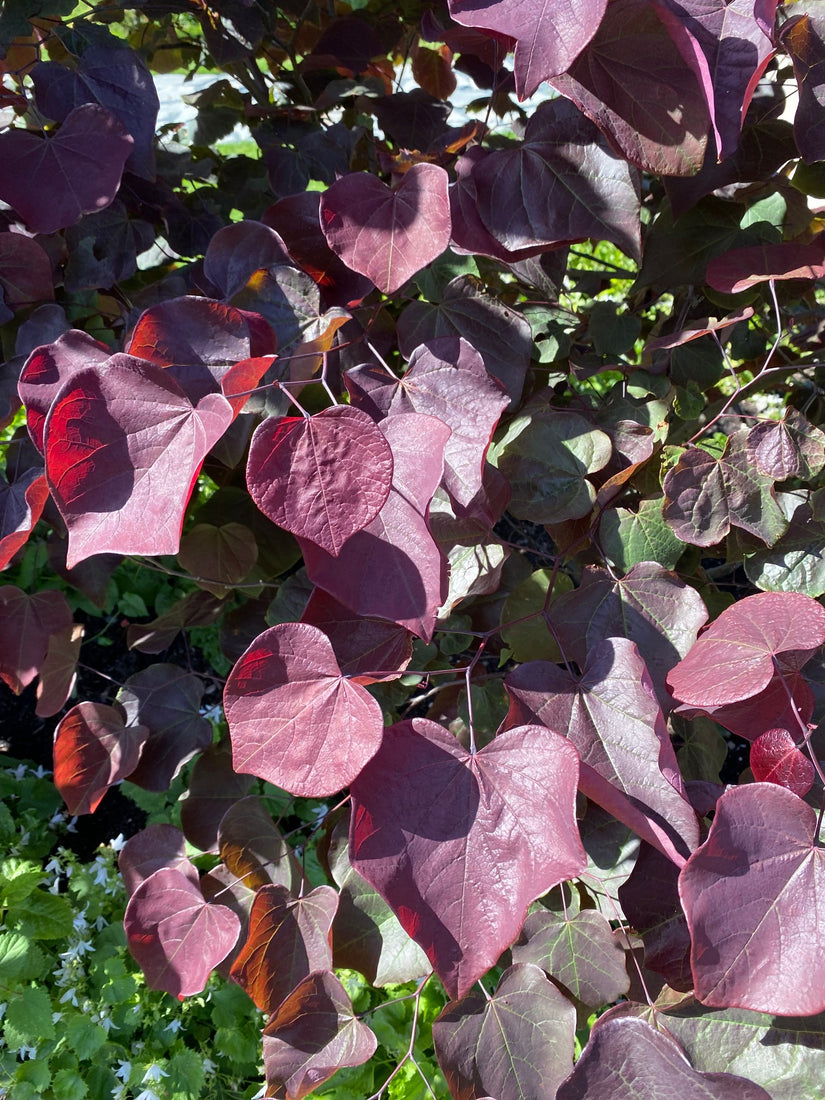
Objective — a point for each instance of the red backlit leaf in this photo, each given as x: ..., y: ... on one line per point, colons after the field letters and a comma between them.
x: 776, y: 759
x: 59, y: 671
x: 753, y: 899
x: 26, y: 625
x: 21, y: 505
x: 294, y: 719
x: 124, y: 445
x: 175, y: 935
x: 388, y: 235
x: 90, y: 135
x: 93, y: 749
x: 736, y: 656
x: 429, y: 820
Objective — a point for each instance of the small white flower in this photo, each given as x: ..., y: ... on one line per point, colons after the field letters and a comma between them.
x: 27, y: 1052
x: 57, y: 1017
x: 147, y: 1094
x: 56, y: 819
x: 20, y: 772
x: 118, y: 1092
x: 80, y: 922
x: 40, y: 771
x: 101, y: 872
x: 123, y: 1070
x: 53, y: 866
x: 101, y: 922
x: 209, y: 1066
x: 154, y: 1073
x: 117, y: 844
x: 72, y: 826
x: 174, y: 1026
x: 69, y: 995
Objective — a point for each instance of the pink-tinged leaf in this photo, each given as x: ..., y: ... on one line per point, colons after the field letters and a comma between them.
x: 447, y: 379
x: 58, y: 672
x: 312, y: 1035
x: 93, y: 750
x: 628, y: 765
x: 549, y: 37
x: 516, y: 1044
x: 84, y: 160
x: 288, y: 939
x: 124, y: 446
x: 238, y: 250
x: 627, y: 1059
x: 21, y: 505
x: 222, y: 886
x: 48, y: 368
x: 214, y: 788
x: 25, y: 271
x: 167, y: 700
x: 580, y: 953
x: 776, y: 759
x: 253, y: 849
x: 27, y: 622
x: 393, y: 569
x: 152, y: 849
x: 735, y: 657
x: 753, y: 899
x: 731, y: 45
x: 650, y: 605
x: 367, y: 650
x: 783, y: 703
x: 790, y: 447
x: 388, y: 235
x: 294, y: 719
x: 741, y: 268
x: 322, y: 477
x: 804, y: 39
x: 429, y: 820
x: 175, y: 935
x: 634, y: 83
x: 534, y: 194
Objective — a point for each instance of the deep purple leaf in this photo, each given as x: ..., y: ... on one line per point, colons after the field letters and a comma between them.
x: 124, y: 446
x: 627, y: 1059
x: 803, y: 37
x: 741, y: 268
x: 153, y: 848
x: 735, y: 657
x: 516, y: 1044
x: 634, y: 83
x: 175, y: 935
x: 367, y: 650
x: 549, y: 37
x: 288, y: 939
x: 790, y: 447
x: 430, y: 819
x: 214, y: 787
x: 254, y: 850
x: 393, y: 569
x: 753, y: 899
x: 775, y: 758
x: 93, y: 750
x: 313, y: 1034
x: 388, y: 235
x: 167, y: 700
x: 323, y: 478
x: 90, y: 135
x: 197, y: 609
x: 237, y: 251
x: 294, y: 719
x: 785, y: 702
x: 27, y: 622
x: 219, y: 557
x: 58, y: 673
x: 25, y: 271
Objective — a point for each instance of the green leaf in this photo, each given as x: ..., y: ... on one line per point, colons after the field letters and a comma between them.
x: 84, y: 1037
x: 627, y: 538
x: 69, y: 1085
x: 529, y: 638
x: 29, y: 1018
x: 44, y: 916
x: 20, y: 958
x: 796, y: 561
x: 18, y: 879
x: 186, y: 1073
x: 612, y: 333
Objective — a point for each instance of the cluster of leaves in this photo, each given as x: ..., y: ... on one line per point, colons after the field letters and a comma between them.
x: 505, y: 535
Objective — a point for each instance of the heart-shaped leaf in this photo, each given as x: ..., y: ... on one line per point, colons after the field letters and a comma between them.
x: 741, y: 268
x: 388, y: 235
x: 153, y: 848
x: 429, y: 819
x: 294, y: 719
x: 21, y: 505
x: 367, y: 650
x: 26, y: 625
x: 25, y: 271
x: 240, y: 249
x: 254, y: 850
x: 93, y: 749
x: 214, y: 788
x: 776, y: 759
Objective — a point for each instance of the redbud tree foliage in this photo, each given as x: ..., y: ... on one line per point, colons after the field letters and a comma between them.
x: 489, y: 452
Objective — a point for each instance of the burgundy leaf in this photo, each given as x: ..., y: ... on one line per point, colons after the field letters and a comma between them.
x: 393, y: 569
x: 219, y: 557
x: 21, y: 505
x: 627, y: 1059
x: 628, y: 765
x: 785, y: 702
x: 124, y: 446
x: 25, y: 271
x: 430, y: 819
x: 753, y: 899
x: 650, y: 605
x: 214, y: 788
x: 695, y: 329
x: 580, y: 953
x: 58, y: 672
x: 634, y: 83
x: 90, y: 135
x: 388, y: 235
x: 48, y: 368
x: 313, y: 1034
x: 735, y: 657
x: 534, y: 193
x: 741, y: 268
x: 516, y: 1044
x: 254, y: 850
x: 804, y: 39
x: 197, y: 609
x: 322, y: 477
x: 367, y: 650
x: 150, y: 850
x: 26, y: 625
x: 168, y: 701
x: 237, y: 251
x: 790, y: 447
x: 776, y: 759
x: 294, y: 719
x: 549, y: 37
x: 288, y: 939
x: 175, y: 935
x: 93, y: 750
